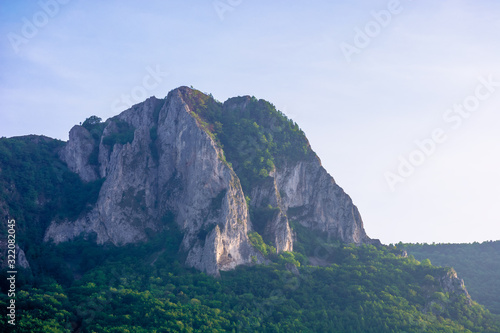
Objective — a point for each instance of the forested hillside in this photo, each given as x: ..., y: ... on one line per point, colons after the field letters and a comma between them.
x: 143, y: 288
x: 478, y: 264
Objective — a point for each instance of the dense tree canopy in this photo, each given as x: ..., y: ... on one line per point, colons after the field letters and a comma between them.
x: 142, y: 288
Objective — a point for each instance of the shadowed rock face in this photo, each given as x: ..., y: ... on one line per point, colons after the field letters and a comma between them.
x: 172, y: 169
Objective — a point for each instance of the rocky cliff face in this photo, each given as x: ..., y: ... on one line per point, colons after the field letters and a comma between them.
x: 21, y: 260
x: 451, y: 283
x: 77, y: 153
x: 304, y: 192
x: 162, y: 167
x: 312, y: 197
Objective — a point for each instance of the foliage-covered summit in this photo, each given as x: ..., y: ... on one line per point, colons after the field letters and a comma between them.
x: 253, y: 134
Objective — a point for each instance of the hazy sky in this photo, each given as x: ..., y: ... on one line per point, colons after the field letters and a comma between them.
x: 400, y: 99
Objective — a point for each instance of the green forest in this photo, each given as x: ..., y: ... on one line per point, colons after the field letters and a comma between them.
x: 143, y: 288
x: 477, y: 263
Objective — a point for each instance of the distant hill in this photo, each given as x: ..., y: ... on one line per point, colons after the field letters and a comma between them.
x: 477, y: 263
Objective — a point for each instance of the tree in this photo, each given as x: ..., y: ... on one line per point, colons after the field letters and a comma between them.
x: 91, y: 121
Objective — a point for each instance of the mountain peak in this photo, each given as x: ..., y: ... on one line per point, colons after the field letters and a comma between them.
x: 225, y: 175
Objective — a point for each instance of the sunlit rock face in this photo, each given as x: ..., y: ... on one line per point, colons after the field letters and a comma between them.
x: 172, y: 171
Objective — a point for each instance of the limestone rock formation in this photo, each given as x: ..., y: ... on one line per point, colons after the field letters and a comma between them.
x: 20, y: 256
x: 162, y: 167
x: 77, y: 153
x: 451, y: 283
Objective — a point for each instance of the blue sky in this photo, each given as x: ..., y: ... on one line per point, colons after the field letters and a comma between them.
x: 363, y: 112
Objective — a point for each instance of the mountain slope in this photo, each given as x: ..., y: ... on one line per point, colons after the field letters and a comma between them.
x: 141, y: 288
x: 172, y: 160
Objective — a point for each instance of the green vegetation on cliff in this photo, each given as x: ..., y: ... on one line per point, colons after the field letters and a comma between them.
x: 253, y: 134
x: 123, y: 134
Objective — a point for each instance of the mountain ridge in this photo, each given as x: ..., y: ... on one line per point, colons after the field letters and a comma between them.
x: 176, y: 137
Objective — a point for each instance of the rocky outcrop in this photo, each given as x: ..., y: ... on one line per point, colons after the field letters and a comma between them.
x: 76, y: 153
x: 442, y: 291
x: 21, y: 261
x: 311, y: 197
x: 306, y: 193
x: 184, y: 179
x: 167, y: 168
x: 277, y: 228
x: 452, y: 284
